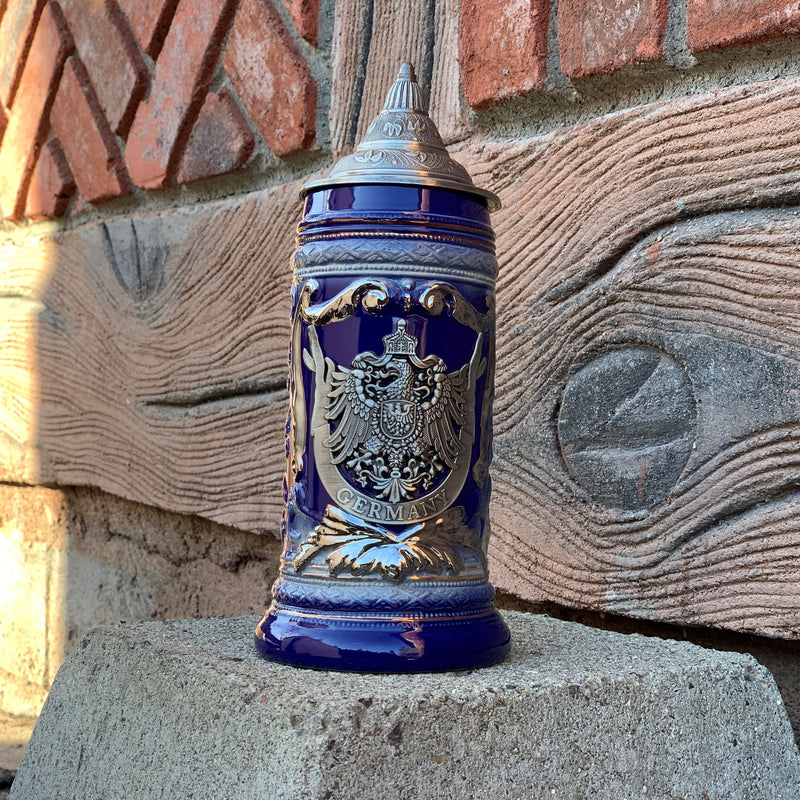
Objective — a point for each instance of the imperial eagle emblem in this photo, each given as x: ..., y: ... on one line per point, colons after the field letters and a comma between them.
x: 394, y: 432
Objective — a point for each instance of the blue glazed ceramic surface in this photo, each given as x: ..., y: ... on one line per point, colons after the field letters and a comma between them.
x: 389, y: 436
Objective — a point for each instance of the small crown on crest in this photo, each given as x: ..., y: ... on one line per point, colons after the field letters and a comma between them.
x: 400, y: 342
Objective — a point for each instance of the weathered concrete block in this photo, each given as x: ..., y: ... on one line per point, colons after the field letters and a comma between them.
x: 187, y: 709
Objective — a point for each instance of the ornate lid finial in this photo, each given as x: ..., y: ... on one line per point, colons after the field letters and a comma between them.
x: 402, y: 146
x: 405, y: 94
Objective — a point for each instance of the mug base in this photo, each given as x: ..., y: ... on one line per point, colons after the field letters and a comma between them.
x: 379, y: 644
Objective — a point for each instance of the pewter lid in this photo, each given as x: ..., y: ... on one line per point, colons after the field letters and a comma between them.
x: 403, y: 146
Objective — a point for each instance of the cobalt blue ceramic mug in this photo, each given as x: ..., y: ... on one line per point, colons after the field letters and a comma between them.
x: 386, y: 522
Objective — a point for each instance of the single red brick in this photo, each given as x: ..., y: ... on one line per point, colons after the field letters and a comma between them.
x: 87, y: 140
x: 17, y: 27
x: 721, y: 23
x: 115, y: 65
x: 272, y: 78
x: 600, y: 36
x: 183, y: 74
x: 502, y: 48
x: 150, y: 21
x: 221, y: 140
x: 52, y: 184
x: 28, y: 121
x: 305, y: 14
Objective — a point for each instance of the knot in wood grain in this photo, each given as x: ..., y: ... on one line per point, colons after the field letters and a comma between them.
x: 137, y: 252
x: 626, y: 426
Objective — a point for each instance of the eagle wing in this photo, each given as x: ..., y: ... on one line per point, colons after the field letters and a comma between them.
x: 349, y: 407
x: 446, y: 408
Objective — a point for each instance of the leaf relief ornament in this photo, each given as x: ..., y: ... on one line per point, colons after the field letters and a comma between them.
x: 361, y: 548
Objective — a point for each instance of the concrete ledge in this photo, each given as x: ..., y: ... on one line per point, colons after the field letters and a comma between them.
x: 186, y: 710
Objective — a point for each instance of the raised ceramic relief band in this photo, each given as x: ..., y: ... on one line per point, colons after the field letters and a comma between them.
x: 389, y: 442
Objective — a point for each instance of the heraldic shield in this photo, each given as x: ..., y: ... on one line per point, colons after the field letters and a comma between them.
x: 398, y: 419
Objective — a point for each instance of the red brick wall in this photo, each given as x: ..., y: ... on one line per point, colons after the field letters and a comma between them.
x: 103, y: 100
x: 98, y: 100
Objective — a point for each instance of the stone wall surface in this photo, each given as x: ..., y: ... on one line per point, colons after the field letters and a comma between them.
x: 74, y: 558
x: 647, y: 416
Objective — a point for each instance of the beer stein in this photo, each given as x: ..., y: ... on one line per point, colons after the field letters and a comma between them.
x: 386, y: 522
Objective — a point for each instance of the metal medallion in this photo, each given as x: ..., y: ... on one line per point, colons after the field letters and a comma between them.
x: 394, y: 431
